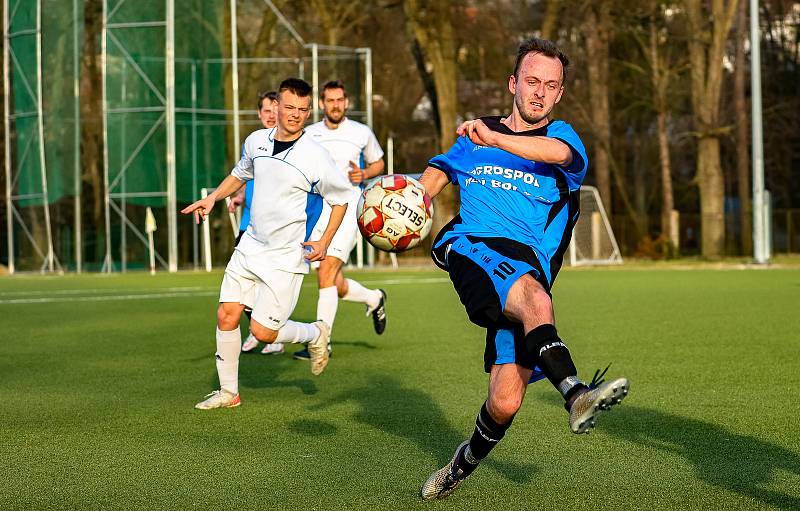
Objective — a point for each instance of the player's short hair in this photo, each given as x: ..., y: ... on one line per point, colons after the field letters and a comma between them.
x: 545, y: 47
x: 299, y: 87
x: 270, y: 95
x: 333, y: 84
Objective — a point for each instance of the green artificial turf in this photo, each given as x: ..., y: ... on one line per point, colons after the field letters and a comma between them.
x: 98, y: 386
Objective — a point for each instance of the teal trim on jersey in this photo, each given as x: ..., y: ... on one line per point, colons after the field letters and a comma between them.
x: 313, y: 211
x: 287, y: 163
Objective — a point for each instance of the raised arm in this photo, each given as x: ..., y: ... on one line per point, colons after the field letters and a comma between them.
x: 541, y: 149
x: 203, y: 207
x: 434, y: 181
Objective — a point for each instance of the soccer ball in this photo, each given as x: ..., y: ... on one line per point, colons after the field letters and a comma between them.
x: 394, y: 213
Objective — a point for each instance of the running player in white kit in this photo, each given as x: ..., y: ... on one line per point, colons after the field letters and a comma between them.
x: 349, y: 142
x: 292, y: 175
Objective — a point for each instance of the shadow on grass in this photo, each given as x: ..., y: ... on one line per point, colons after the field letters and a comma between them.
x: 385, y: 404
x: 257, y: 371
x: 736, y: 463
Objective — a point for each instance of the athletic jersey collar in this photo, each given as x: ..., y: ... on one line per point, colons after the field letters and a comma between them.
x: 494, y: 123
x: 338, y: 127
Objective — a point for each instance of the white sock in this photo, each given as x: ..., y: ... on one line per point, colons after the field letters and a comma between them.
x: 229, y: 344
x: 294, y: 332
x: 358, y: 293
x: 327, y: 304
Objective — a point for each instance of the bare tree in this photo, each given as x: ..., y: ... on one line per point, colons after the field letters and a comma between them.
x: 709, y: 26
x: 430, y: 26
x: 597, y: 31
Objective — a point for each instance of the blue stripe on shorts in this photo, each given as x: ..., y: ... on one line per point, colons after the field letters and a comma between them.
x: 504, y: 344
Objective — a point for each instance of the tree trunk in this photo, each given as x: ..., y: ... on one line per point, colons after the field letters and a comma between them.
x: 92, y: 121
x: 712, y: 197
x: 659, y: 77
x: 596, y: 30
x: 706, y: 52
x: 430, y: 25
x: 667, y: 201
x: 550, y: 19
x: 742, y: 133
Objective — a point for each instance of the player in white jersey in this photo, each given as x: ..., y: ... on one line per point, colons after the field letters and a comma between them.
x: 349, y: 142
x: 292, y: 174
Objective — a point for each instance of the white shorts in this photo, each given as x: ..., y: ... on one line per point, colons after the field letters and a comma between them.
x: 271, y: 293
x: 345, y: 239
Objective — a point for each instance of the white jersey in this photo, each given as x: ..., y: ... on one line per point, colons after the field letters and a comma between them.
x: 347, y: 143
x: 288, y: 189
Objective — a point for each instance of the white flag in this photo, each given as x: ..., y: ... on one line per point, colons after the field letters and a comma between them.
x: 150, y: 221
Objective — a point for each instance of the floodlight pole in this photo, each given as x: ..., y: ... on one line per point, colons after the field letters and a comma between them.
x: 315, y: 80
x: 108, y: 262
x: 172, y: 203
x: 49, y: 262
x: 7, y: 124
x: 759, y: 234
x: 76, y: 161
x: 235, y: 83
x: 368, y: 85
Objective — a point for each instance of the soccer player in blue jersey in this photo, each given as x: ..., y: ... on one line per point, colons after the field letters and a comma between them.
x: 519, y: 180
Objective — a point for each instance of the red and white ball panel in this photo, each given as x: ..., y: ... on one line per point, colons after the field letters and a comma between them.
x: 395, y: 213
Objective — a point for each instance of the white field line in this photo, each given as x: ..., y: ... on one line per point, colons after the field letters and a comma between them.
x: 92, y: 291
x: 67, y: 295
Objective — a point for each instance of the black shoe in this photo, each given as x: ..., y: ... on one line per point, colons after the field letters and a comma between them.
x: 304, y: 355
x: 379, y: 314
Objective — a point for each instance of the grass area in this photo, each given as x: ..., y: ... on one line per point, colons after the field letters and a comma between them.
x: 100, y: 374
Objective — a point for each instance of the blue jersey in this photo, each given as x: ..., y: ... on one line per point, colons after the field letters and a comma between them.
x: 248, y: 199
x: 506, y: 196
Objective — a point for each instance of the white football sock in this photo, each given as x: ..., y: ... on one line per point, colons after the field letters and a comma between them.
x: 294, y: 332
x: 358, y: 293
x: 327, y: 304
x: 229, y: 344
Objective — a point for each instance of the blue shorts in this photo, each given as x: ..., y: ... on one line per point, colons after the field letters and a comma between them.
x: 482, y: 271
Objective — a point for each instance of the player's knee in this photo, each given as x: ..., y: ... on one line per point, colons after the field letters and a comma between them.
x: 503, y: 408
x: 227, y: 318
x: 262, y: 333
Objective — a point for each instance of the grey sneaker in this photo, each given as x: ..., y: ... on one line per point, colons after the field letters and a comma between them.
x: 219, y: 399
x: 318, y: 348
x: 586, y: 408
x: 443, y: 482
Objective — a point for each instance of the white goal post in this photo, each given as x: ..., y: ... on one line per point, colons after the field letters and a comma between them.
x: 593, y: 240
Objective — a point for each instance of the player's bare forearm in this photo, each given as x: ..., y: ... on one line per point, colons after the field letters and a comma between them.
x: 374, y: 169
x: 317, y: 249
x: 541, y: 149
x: 337, y: 215
x: 228, y: 186
x: 434, y: 181
x: 203, y: 207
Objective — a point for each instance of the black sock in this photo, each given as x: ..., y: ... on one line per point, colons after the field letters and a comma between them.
x: 554, y: 360
x: 485, y: 437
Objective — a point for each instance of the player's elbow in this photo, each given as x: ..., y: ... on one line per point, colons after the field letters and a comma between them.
x: 562, y: 155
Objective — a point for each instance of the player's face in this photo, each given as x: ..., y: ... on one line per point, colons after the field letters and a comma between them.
x: 292, y: 112
x: 334, y: 103
x: 537, y: 88
x: 268, y: 113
